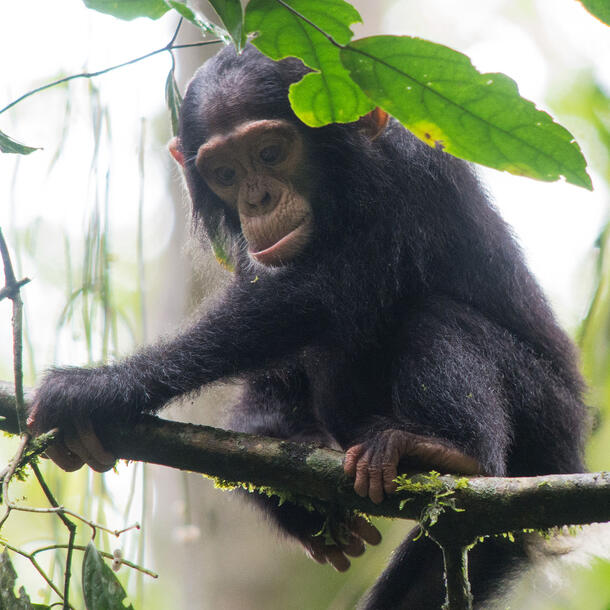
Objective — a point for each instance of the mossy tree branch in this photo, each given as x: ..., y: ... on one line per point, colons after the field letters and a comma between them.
x: 487, y: 505
x: 492, y: 505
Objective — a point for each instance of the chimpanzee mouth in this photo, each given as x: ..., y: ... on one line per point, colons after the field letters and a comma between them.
x: 286, y: 247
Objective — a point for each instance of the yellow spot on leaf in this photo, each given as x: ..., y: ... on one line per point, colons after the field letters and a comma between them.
x: 430, y: 133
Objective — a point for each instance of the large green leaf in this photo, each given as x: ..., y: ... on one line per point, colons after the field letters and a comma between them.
x: 8, y: 145
x: 599, y: 8
x: 231, y: 13
x: 437, y: 94
x: 327, y: 95
x: 129, y: 9
x: 101, y: 588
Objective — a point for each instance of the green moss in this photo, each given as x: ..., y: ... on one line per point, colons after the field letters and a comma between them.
x: 430, y: 483
x: 462, y: 483
x: 441, y: 492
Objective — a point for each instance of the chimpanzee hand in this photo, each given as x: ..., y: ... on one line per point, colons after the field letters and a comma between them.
x: 345, y: 539
x: 65, y: 400
x: 327, y: 535
x: 374, y: 463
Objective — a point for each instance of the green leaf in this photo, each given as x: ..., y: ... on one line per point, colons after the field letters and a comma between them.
x: 231, y: 13
x: 327, y: 95
x: 173, y: 100
x: 221, y: 253
x: 599, y: 8
x: 206, y: 27
x: 101, y: 588
x: 437, y: 94
x: 129, y: 9
x: 8, y: 145
x: 8, y: 599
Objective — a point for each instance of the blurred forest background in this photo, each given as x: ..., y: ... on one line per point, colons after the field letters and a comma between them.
x: 99, y: 220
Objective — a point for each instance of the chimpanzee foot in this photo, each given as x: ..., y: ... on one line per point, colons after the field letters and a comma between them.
x: 374, y: 463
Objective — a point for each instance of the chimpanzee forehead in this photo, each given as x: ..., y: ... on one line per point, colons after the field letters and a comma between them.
x: 230, y: 89
x: 221, y: 114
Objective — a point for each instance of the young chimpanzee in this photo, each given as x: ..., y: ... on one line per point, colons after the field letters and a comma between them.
x: 379, y: 305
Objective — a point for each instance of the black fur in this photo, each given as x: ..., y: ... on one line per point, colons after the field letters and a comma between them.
x: 411, y: 308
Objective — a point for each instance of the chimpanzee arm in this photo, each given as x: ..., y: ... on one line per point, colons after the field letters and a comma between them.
x: 254, y: 325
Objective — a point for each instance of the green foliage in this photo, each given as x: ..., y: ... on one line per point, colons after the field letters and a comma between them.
x: 327, y: 95
x: 430, y: 482
x: 221, y: 252
x: 101, y: 588
x: 599, y: 8
x: 8, y: 145
x: 431, y: 89
x: 173, y: 100
x: 129, y: 9
x: 441, y: 495
x: 231, y: 14
x: 205, y: 26
x: 8, y: 599
x: 438, y: 95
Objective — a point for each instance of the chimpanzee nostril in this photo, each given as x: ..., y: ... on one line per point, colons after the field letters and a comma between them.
x: 266, y: 199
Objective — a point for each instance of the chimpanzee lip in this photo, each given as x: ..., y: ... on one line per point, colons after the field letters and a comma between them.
x: 273, y: 254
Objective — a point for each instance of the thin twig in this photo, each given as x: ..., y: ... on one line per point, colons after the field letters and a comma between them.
x: 176, y: 32
x: 70, y: 525
x: 66, y: 511
x: 30, y: 557
x: 59, y: 510
x: 66, y: 79
x: 77, y: 547
x: 11, y: 287
x: 8, y: 475
x: 7, y: 293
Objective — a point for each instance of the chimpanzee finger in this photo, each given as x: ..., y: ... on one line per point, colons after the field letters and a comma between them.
x: 354, y: 547
x: 65, y: 458
x: 376, y: 484
x: 316, y: 550
x: 366, y: 530
x: 390, y: 472
x: 92, y: 443
x: 337, y: 559
x: 382, y: 462
x: 352, y: 455
x: 75, y: 444
x: 385, y: 459
x: 361, y: 484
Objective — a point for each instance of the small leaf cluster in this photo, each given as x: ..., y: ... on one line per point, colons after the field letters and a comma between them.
x: 441, y: 495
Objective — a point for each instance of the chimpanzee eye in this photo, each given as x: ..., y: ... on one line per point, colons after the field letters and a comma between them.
x: 271, y: 154
x: 225, y: 175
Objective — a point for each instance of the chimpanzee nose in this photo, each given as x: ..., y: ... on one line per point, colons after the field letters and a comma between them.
x: 258, y: 201
x: 264, y: 200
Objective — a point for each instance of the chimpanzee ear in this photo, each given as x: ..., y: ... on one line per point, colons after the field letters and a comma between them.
x: 175, y: 150
x: 373, y: 123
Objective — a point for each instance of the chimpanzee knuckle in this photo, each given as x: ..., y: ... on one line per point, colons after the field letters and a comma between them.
x: 389, y: 470
x: 362, y: 467
x: 375, y: 473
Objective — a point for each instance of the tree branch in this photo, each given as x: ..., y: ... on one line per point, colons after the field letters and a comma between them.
x: 491, y: 505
